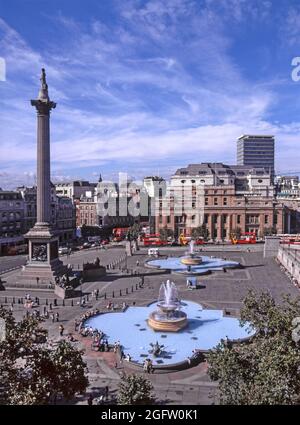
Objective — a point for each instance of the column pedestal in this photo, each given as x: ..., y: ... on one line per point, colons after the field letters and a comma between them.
x: 43, y: 263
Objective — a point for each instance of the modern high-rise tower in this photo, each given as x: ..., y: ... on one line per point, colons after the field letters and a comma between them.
x: 256, y: 151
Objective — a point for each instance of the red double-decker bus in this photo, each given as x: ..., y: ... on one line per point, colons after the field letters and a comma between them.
x: 119, y: 233
x: 245, y: 238
x: 154, y: 240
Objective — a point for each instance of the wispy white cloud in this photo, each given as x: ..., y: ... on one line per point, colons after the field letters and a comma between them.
x: 158, y: 84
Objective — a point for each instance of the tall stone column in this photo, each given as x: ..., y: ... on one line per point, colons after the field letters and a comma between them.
x: 43, y: 265
x: 43, y: 107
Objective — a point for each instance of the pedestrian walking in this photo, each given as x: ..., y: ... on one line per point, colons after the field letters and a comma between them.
x: 52, y: 317
x: 61, y: 330
x: 106, y: 392
x: 50, y: 306
x: 90, y: 400
x: 45, y: 309
x: 57, y: 316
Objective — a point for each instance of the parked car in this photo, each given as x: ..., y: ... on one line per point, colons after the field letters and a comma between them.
x: 63, y: 250
x: 86, y: 245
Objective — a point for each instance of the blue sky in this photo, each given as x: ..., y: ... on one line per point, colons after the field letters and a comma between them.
x: 145, y: 87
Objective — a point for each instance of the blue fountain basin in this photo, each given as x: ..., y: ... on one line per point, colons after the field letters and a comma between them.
x: 208, y: 264
x: 205, y: 330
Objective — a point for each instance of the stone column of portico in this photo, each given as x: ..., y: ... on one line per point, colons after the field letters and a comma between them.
x: 219, y: 226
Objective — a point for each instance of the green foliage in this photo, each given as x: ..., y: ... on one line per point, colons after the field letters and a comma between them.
x: 200, y: 232
x: 31, y: 373
x: 266, y: 369
x: 237, y: 231
x: 133, y: 232
x: 269, y: 231
x: 134, y: 390
x: 165, y: 233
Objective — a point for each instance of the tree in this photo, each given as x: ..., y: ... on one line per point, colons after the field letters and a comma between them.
x: 237, y: 231
x: 133, y: 234
x: 269, y: 231
x: 266, y: 369
x: 165, y: 233
x: 135, y: 389
x: 200, y: 232
x: 30, y: 373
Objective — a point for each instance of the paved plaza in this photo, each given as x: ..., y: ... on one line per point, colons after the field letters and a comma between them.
x: 219, y: 290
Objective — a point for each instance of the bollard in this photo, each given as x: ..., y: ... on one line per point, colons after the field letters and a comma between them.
x: 63, y: 303
x: 132, y: 289
x: 126, y: 291
x: 14, y: 300
x: 5, y: 300
x: 55, y: 302
x: 105, y: 296
x: 19, y: 301
x: 46, y: 301
x: 113, y: 294
x: 120, y: 292
x: 136, y: 286
x: 72, y: 303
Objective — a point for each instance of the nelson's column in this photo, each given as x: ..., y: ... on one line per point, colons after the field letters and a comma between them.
x: 43, y: 263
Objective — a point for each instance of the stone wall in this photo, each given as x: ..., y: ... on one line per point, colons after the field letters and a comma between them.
x: 271, y: 246
x: 289, y: 257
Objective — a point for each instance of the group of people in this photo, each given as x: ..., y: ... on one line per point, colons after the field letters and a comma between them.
x: 148, y: 366
x: 79, y: 323
x: 30, y: 302
x: 95, y: 294
x: 63, y: 281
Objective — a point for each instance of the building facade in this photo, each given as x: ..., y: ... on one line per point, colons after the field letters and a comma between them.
x: 224, y: 198
x: 11, y: 220
x: 86, y: 211
x: 74, y: 189
x: 257, y: 151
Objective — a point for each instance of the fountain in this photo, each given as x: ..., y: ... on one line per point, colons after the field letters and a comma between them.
x: 191, y: 259
x: 168, y: 317
x: 192, y: 263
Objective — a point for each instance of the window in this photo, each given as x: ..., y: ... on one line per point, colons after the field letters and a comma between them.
x: 266, y: 219
x: 221, y: 181
x: 193, y: 181
x: 224, y: 201
x: 260, y: 181
x: 206, y: 201
x: 182, y: 181
x: 238, y: 219
x: 215, y: 201
x: 224, y: 218
x: 202, y: 181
